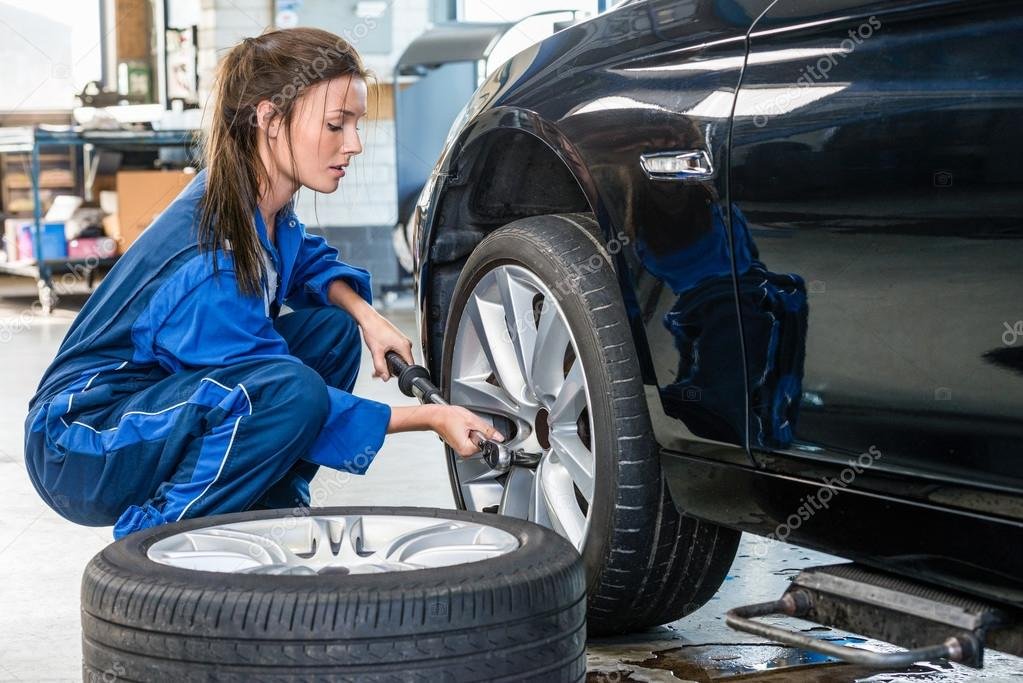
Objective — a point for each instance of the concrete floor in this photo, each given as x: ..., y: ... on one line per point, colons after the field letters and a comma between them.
x: 42, y: 555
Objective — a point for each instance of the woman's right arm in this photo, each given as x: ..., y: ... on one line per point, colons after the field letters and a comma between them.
x: 452, y: 423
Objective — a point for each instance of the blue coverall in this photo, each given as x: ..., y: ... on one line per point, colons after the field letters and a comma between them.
x: 174, y: 396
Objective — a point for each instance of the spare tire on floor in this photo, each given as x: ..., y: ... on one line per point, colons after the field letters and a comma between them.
x: 337, y: 594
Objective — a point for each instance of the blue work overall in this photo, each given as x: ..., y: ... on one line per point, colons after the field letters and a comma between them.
x: 175, y: 396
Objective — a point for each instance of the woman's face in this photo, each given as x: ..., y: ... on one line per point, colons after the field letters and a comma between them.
x: 324, y: 135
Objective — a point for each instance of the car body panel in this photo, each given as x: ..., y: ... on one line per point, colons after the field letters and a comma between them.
x: 909, y: 234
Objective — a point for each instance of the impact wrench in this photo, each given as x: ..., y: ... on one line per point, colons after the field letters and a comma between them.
x: 414, y: 380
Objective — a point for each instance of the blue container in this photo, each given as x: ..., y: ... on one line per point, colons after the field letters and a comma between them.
x: 52, y: 237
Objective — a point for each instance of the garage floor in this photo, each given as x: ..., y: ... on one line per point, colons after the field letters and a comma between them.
x: 42, y: 556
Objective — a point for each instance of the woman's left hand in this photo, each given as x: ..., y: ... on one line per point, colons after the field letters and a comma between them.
x: 382, y: 336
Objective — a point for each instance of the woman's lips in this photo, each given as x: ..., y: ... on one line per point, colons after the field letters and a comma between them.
x: 339, y: 171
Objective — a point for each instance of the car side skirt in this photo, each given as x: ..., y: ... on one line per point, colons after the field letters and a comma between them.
x: 974, y: 553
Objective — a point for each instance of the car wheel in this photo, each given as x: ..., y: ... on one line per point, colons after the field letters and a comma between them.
x: 537, y: 338
x: 337, y: 594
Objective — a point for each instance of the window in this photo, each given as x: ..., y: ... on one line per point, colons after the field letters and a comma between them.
x: 49, y: 50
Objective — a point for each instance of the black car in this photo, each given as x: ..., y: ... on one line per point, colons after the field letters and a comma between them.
x: 743, y: 265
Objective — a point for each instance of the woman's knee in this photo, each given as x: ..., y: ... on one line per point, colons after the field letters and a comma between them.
x: 341, y: 330
x: 299, y: 391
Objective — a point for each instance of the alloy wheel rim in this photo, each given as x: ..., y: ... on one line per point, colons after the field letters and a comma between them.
x: 332, y: 544
x: 516, y: 361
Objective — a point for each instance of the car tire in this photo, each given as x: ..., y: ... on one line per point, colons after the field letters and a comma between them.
x: 516, y: 616
x: 646, y: 563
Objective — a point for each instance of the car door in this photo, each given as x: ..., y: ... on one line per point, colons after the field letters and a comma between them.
x: 877, y: 176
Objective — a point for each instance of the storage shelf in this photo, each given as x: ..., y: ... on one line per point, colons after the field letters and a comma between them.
x: 21, y: 185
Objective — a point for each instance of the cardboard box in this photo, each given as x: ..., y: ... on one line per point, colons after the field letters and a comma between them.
x: 141, y: 197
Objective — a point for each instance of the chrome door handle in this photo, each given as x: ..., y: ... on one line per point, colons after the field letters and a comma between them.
x: 687, y: 166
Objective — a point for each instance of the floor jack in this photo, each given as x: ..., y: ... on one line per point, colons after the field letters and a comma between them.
x: 931, y: 622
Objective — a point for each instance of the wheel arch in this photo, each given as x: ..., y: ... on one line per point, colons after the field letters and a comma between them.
x: 508, y: 164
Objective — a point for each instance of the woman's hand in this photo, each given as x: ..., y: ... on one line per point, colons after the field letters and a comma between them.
x: 382, y: 336
x: 453, y: 424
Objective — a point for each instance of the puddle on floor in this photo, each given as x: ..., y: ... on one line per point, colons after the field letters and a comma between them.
x: 761, y: 662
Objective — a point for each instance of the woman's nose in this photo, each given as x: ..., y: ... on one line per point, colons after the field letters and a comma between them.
x: 353, y: 146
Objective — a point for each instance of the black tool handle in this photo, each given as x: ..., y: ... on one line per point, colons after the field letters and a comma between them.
x: 413, y: 380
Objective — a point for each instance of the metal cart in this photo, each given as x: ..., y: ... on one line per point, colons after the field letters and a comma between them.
x: 33, y: 138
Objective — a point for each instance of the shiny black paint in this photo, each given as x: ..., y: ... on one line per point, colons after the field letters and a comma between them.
x: 859, y: 289
x: 875, y: 153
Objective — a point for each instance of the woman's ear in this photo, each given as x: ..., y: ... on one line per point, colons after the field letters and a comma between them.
x: 267, y: 119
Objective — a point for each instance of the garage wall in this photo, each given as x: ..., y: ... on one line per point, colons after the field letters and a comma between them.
x: 224, y: 23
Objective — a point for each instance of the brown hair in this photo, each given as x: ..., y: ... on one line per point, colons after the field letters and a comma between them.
x: 277, y: 66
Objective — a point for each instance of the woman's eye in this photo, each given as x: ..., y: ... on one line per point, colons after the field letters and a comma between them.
x: 332, y: 128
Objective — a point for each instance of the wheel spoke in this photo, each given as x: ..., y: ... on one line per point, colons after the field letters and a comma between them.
x: 571, y: 399
x: 475, y: 393
x: 517, y: 299
x: 480, y: 494
x: 423, y: 547
x: 559, y: 500
x: 552, y: 340
x: 517, y: 491
x: 488, y: 321
x: 573, y: 455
